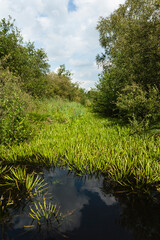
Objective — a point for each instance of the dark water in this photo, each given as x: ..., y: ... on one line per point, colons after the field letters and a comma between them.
x: 90, y: 210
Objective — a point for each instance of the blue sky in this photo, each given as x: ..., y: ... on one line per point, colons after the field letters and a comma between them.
x: 66, y: 29
x: 71, y: 6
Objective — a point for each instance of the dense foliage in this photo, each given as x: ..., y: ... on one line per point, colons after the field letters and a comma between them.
x: 14, y: 125
x: 139, y: 106
x: 60, y: 84
x: 67, y: 134
x: 31, y: 66
x: 24, y: 73
x: 22, y: 59
x: 130, y: 39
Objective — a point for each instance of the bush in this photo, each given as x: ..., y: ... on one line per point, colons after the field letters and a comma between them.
x: 104, y: 97
x: 14, y: 126
x: 138, y: 106
x: 62, y: 86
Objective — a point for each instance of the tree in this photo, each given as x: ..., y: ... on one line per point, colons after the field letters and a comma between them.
x: 60, y: 84
x: 63, y: 72
x: 131, y: 43
x: 22, y: 59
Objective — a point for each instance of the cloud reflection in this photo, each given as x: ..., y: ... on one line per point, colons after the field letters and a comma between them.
x: 70, y: 193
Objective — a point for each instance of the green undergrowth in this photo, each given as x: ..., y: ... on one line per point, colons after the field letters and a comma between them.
x: 69, y: 135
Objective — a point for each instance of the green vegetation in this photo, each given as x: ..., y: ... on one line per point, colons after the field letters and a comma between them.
x: 131, y: 62
x: 22, y: 59
x: 47, y: 121
x: 17, y: 186
x: 25, y: 77
x: 45, y: 211
x: 20, y: 186
x: 71, y: 136
x: 27, y: 184
x: 14, y: 125
x: 43, y: 122
x: 60, y: 84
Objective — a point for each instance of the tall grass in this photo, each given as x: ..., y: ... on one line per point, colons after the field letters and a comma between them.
x: 70, y: 135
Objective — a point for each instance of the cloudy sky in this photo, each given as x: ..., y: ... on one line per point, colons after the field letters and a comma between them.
x: 66, y: 29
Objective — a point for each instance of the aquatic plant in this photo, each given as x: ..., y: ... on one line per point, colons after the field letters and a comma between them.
x: 2, y: 170
x: 24, y: 182
x: 88, y: 144
x: 5, y: 202
x: 44, y: 212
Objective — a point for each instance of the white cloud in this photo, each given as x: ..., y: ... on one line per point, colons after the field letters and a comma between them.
x: 94, y: 185
x: 80, y: 63
x: 70, y: 194
x: 69, y: 38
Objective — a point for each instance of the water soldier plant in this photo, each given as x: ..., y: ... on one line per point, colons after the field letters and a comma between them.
x: 21, y: 187
x: 74, y: 137
x: 27, y: 184
x: 45, y: 212
x: 17, y: 186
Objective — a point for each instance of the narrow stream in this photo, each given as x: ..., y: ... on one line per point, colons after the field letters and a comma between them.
x: 88, y: 209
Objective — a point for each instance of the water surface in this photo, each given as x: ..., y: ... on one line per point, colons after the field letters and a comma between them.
x: 91, y: 210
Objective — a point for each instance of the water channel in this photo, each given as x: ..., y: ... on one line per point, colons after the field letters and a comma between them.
x: 89, y: 210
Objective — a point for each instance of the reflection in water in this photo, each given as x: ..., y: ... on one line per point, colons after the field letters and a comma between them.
x: 73, y: 195
x: 95, y: 213
x: 139, y: 214
x: 90, y: 210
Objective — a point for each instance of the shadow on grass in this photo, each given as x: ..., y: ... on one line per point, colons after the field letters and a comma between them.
x: 111, y: 120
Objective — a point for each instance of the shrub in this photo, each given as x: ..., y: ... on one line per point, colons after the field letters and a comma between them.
x: 14, y: 126
x: 139, y: 106
x: 61, y: 85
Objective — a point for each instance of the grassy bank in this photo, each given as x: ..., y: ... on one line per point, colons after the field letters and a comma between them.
x: 68, y: 134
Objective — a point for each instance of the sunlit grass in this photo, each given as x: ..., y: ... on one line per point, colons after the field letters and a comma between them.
x: 70, y: 135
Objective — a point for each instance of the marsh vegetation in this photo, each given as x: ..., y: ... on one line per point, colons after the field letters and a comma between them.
x: 70, y: 135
